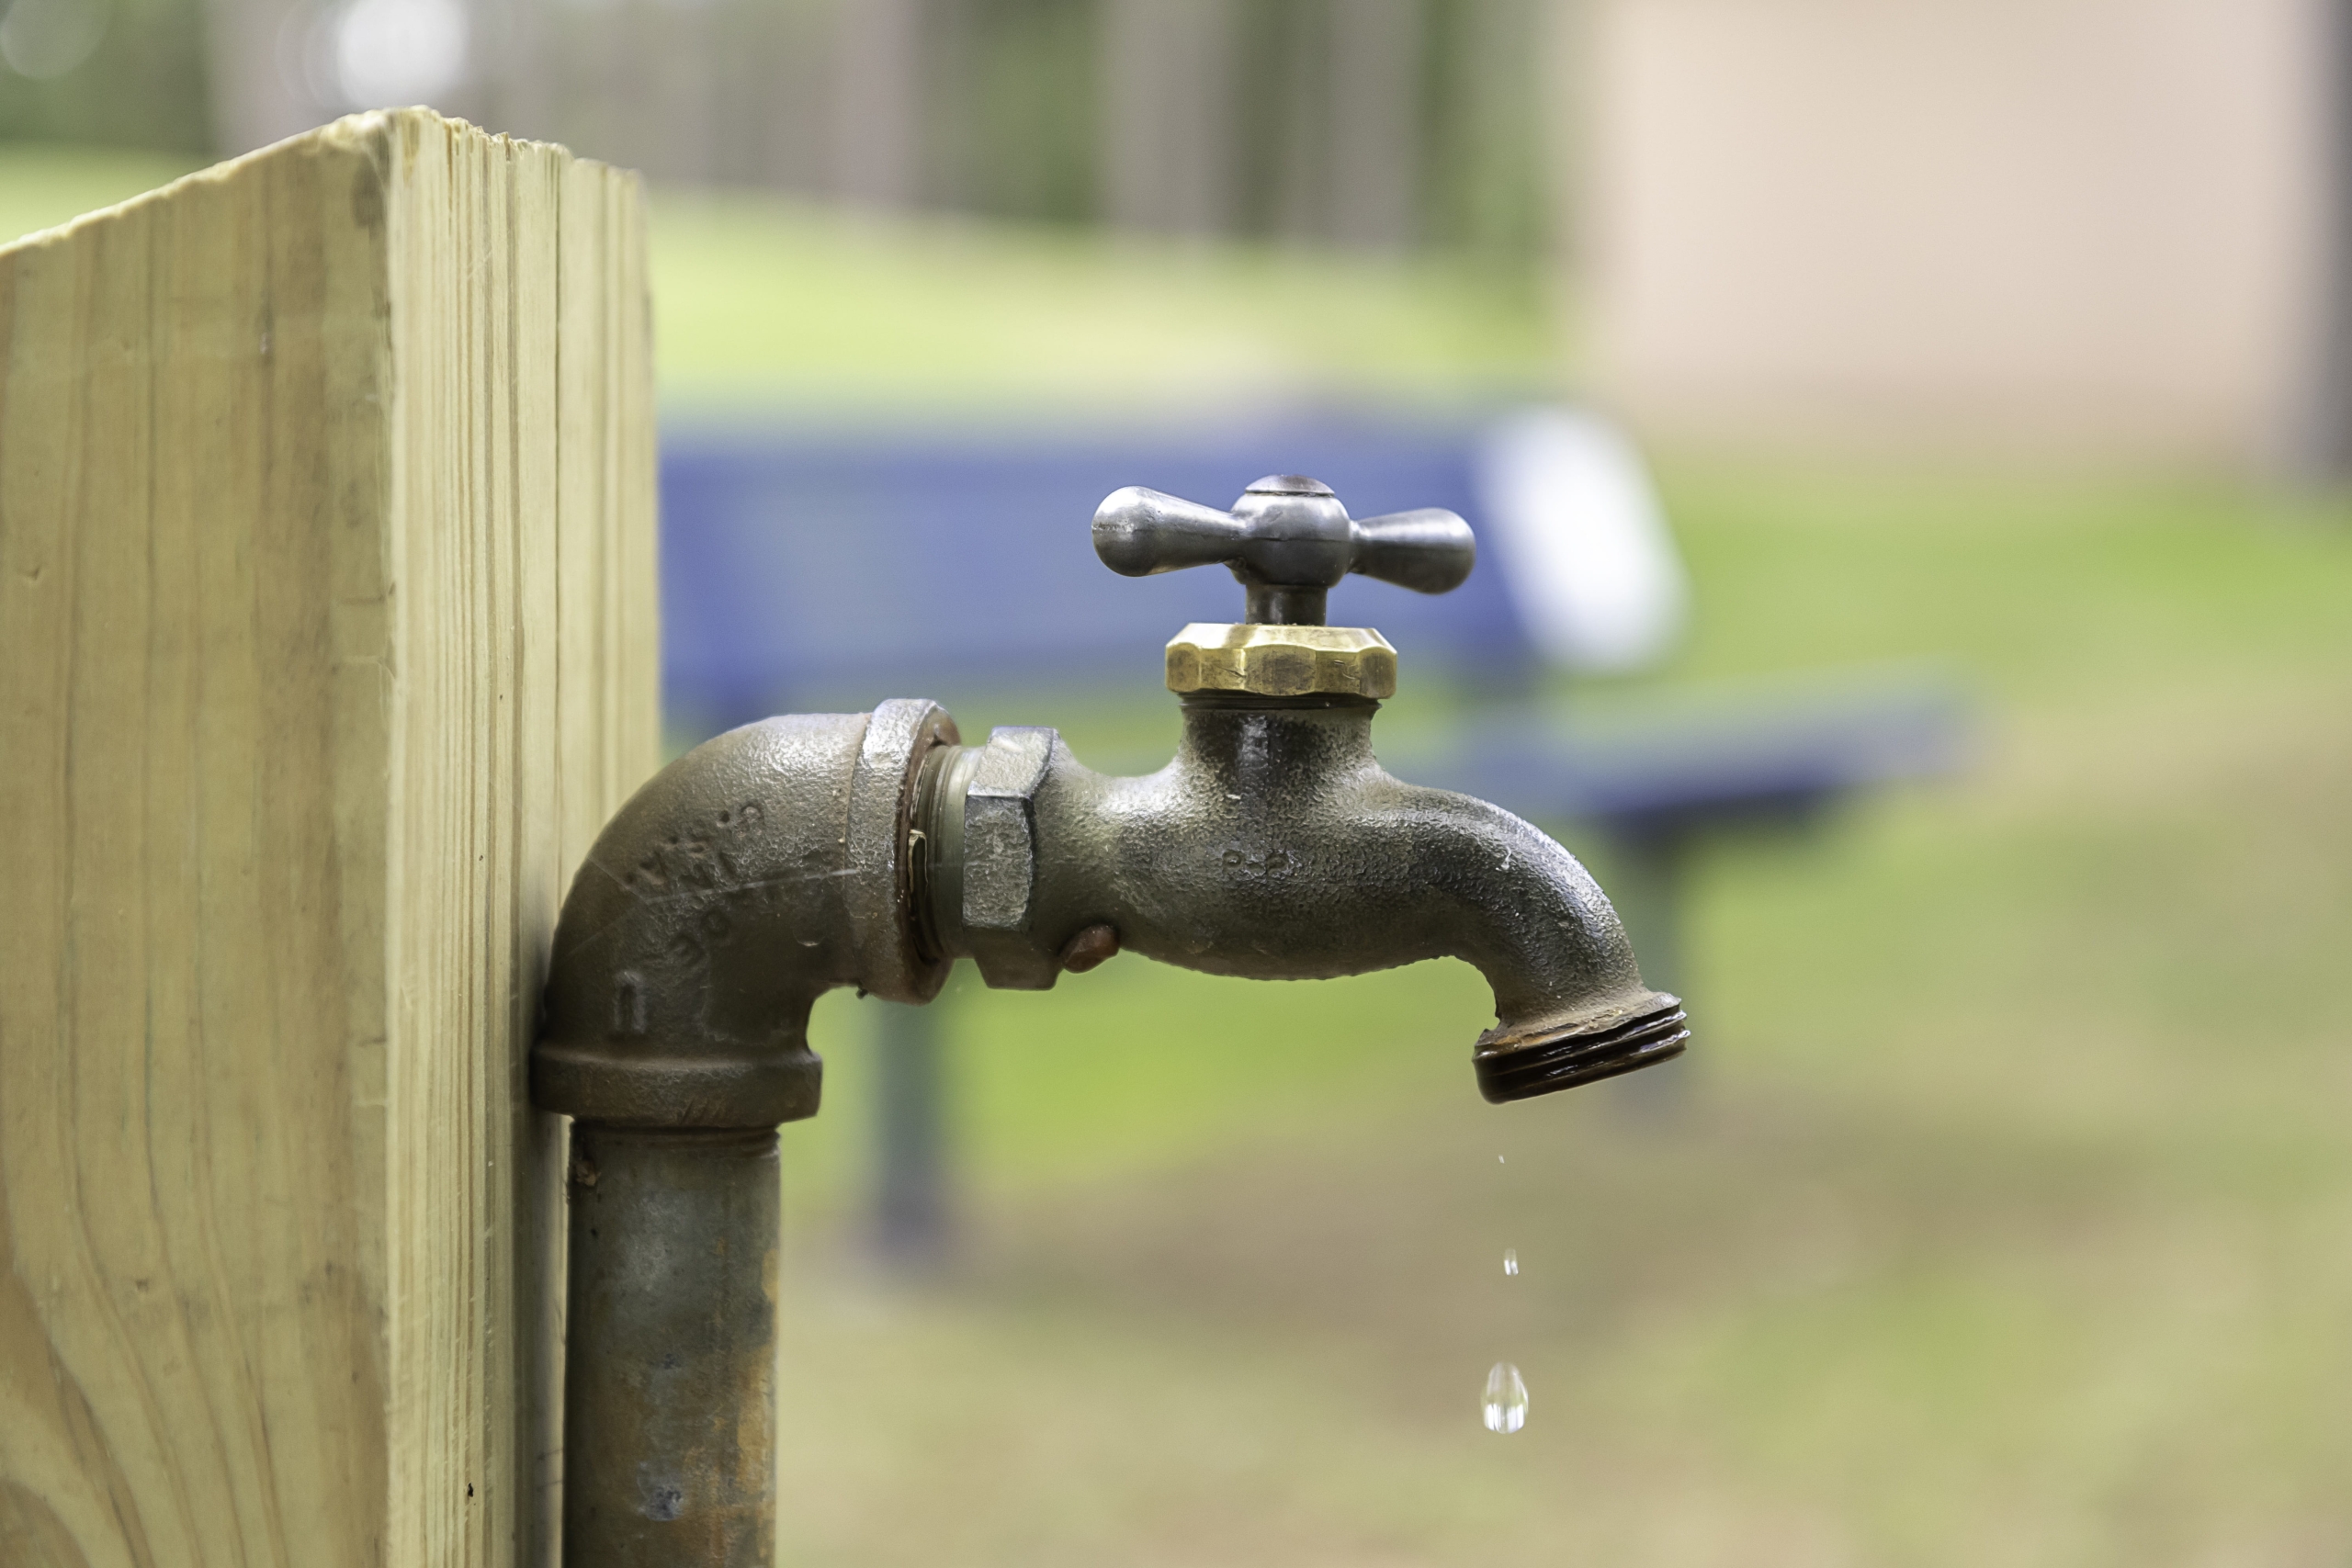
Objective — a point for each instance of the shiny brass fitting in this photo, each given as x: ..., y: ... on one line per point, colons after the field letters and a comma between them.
x: 1282, y: 661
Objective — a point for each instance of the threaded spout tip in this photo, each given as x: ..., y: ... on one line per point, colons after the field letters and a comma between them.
x: 1565, y: 1061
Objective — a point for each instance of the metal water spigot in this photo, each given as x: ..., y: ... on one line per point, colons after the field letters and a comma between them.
x: 782, y: 859
x: 1288, y: 540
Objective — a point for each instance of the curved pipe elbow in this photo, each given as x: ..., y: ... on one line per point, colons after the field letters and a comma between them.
x: 760, y: 870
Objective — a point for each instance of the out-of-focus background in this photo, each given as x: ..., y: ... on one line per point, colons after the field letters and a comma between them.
x: 1905, y: 436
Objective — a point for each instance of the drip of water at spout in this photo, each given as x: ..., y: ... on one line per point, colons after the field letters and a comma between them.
x: 1506, y: 1401
x: 1510, y: 1260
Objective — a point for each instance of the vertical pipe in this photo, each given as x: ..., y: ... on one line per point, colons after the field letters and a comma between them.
x: 911, y: 1217
x: 670, y: 1423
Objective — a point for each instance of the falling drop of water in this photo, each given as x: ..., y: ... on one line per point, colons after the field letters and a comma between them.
x: 1510, y: 1260
x: 1505, y: 1404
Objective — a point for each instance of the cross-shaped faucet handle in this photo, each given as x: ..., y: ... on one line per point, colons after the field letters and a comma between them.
x: 1288, y: 539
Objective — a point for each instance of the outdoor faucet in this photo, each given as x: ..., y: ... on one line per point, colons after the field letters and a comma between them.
x: 798, y: 854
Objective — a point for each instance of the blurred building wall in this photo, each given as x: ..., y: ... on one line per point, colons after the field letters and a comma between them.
x: 2065, y: 227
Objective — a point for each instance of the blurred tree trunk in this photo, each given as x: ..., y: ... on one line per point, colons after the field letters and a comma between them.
x: 675, y: 77
x: 273, y: 68
x: 1374, y: 104
x: 1167, y: 115
x: 1378, y: 123
x: 877, y: 152
x: 793, y: 78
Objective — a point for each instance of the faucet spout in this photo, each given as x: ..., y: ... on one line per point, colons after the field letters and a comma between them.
x: 1274, y: 846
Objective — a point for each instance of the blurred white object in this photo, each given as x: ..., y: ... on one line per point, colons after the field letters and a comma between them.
x: 42, y: 39
x: 391, y: 53
x: 1586, y: 553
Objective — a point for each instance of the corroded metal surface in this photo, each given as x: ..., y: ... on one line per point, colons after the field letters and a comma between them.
x: 1276, y: 846
x: 669, y: 1426
x: 758, y: 872
x: 798, y: 854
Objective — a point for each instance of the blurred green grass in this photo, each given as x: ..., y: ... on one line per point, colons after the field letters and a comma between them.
x: 2003, y: 1220
x: 2138, y: 647
x: 2004, y: 1217
x: 43, y: 185
x: 767, y: 308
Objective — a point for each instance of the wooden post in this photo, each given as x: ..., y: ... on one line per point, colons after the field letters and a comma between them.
x: 326, y: 645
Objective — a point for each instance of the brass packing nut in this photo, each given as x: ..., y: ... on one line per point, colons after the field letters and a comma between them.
x: 1282, y: 662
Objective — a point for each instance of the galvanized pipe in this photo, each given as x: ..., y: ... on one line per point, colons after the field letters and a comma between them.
x: 669, y: 1421
x: 760, y: 870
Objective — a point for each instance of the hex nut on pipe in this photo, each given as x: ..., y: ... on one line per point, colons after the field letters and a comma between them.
x: 1282, y: 661
x: 996, y: 843
x: 999, y: 848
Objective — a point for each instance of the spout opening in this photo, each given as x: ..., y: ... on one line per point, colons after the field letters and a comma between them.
x: 1583, y: 1057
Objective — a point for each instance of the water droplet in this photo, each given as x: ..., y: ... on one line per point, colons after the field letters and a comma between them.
x: 1510, y: 1260
x: 1506, y: 1399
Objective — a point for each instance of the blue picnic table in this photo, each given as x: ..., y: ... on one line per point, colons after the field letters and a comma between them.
x: 799, y: 569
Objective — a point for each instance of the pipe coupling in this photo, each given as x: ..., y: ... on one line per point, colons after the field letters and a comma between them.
x: 977, y: 856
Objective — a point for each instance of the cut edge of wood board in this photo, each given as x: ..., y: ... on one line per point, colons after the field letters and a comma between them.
x: 360, y: 129
x: 530, y: 262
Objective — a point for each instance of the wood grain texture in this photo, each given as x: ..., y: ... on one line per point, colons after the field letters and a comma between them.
x: 326, y: 645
